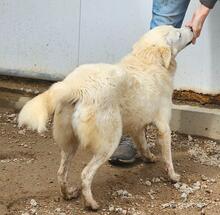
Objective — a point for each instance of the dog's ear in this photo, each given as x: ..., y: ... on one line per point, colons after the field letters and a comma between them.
x: 166, y: 55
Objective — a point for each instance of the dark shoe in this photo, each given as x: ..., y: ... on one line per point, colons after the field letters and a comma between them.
x: 125, y: 153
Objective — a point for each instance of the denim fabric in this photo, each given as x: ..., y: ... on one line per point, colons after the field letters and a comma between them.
x: 168, y: 12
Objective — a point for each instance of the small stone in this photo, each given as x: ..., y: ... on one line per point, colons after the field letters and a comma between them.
x: 177, y: 185
x: 156, y: 180
x: 43, y: 135
x: 124, y: 212
x: 185, y: 189
x: 204, y: 186
x: 148, y: 183
x: 213, y: 180
x: 184, y: 195
x: 25, y: 213
x: 171, y: 204
x: 33, y: 202
x: 119, y: 192
x: 166, y: 205
x: 118, y: 210
x: 208, y: 191
x: 28, y: 90
x: 33, y: 211
x: 190, y: 138
x: 12, y: 115
x: 200, y: 205
x: 204, y: 178
x: 123, y: 193
x: 21, y: 132
x: 196, y: 185
x: 111, y: 208
x: 203, y: 212
x: 162, y: 178
x: 58, y: 210
x: 150, y: 193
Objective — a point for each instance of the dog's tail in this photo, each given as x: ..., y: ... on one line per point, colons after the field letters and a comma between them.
x: 37, y: 111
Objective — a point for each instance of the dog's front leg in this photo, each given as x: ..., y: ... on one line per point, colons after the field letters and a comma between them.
x: 165, y: 142
x: 143, y: 147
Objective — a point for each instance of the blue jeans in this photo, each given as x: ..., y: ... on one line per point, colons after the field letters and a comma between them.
x: 168, y: 12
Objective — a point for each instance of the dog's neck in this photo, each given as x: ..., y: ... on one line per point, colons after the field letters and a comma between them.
x: 135, y: 62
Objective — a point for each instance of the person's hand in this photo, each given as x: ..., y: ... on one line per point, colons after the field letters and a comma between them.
x: 198, y: 20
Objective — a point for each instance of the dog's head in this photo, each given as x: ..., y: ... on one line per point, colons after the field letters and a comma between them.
x: 163, y: 43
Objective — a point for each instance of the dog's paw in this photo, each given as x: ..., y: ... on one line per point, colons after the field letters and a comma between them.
x: 92, y: 205
x: 150, y: 159
x: 175, y: 177
x: 72, y: 193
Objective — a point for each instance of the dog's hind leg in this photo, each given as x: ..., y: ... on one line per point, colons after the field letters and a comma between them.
x: 68, y: 193
x: 165, y: 142
x: 103, y: 144
x: 88, y: 173
x: 64, y: 137
x: 143, y: 147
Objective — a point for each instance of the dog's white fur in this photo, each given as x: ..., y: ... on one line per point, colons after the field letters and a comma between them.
x: 96, y: 103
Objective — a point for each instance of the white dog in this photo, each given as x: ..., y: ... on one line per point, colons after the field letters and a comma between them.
x: 96, y: 103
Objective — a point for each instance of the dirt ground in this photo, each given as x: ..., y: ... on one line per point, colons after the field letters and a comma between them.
x: 28, y: 184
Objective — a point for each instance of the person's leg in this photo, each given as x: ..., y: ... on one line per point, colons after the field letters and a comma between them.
x: 164, y: 12
x: 125, y: 153
x: 168, y: 12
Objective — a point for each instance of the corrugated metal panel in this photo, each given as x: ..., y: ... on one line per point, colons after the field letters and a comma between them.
x: 110, y: 28
x: 39, y: 38
x: 199, y: 65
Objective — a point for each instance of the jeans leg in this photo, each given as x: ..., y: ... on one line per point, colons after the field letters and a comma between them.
x: 168, y: 12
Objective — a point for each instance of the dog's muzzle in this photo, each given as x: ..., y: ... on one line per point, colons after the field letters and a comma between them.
x: 191, y: 29
x: 188, y: 43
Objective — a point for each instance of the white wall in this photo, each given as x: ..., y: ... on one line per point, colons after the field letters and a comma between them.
x: 109, y: 28
x: 50, y: 37
x: 199, y: 65
x: 39, y: 37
